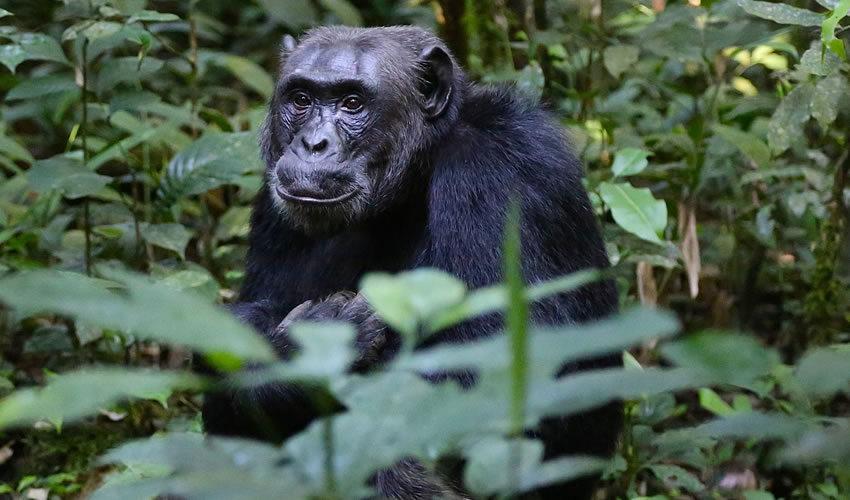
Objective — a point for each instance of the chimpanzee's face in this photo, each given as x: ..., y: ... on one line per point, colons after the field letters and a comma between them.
x: 327, y: 100
x: 347, y: 117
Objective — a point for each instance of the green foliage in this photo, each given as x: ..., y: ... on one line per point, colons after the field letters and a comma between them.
x: 715, y: 140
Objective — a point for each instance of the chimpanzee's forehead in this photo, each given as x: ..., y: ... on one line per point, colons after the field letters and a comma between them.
x: 335, y: 61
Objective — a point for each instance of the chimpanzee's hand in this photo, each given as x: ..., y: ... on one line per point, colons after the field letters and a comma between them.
x: 372, y: 335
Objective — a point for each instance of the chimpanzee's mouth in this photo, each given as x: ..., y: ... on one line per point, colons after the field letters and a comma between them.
x: 308, y: 197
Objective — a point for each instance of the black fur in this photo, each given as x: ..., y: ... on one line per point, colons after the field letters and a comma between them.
x: 445, y: 208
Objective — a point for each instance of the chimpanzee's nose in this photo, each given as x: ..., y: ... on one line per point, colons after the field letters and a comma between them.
x: 316, y: 143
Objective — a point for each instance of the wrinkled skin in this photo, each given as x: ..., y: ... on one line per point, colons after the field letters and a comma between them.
x: 381, y: 156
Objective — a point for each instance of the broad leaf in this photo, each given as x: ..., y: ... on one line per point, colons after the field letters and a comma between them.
x: 635, y: 209
x: 629, y: 161
x: 209, y: 162
x: 736, y: 359
x: 169, y: 236
x: 406, y: 299
x: 824, y: 371
x: 347, y: 13
x: 247, y: 71
x: 514, y: 466
x: 153, y: 16
x: 39, y: 86
x: 66, y: 175
x: 786, y: 124
x: 754, y: 148
x: 619, y: 58
x: 78, y: 394
x: 826, y: 99
x: 781, y: 13
x: 149, y: 310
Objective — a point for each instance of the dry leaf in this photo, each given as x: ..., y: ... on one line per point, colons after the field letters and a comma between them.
x: 689, y: 246
x: 647, y: 289
x: 6, y: 453
x: 37, y: 494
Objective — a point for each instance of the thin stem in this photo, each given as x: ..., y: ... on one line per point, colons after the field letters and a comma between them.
x: 193, y: 60
x: 517, y: 325
x: 84, y: 137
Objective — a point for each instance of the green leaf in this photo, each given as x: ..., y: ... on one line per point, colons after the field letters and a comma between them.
x: 14, y: 150
x: 154, y: 311
x: 294, y: 14
x: 635, y: 210
x: 548, y: 349
x: 712, y: 402
x: 78, y: 394
x: 531, y: 80
x: 751, y: 425
x: 169, y: 236
x: 66, y: 175
x: 827, y: 36
x: 324, y: 351
x: 781, y: 13
x: 826, y: 99
x: 125, y: 69
x: 31, y: 46
x: 492, y: 466
x: 753, y: 148
x: 630, y: 161
x: 153, y: 16
x: 40, y: 86
x: 786, y: 124
x: 246, y: 70
x: 101, y: 29
x: 347, y: 13
x: 495, y: 298
x: 209, y: 162
x: 406, y: 299
x: 677, y: 477
x: 817, y: 61
x: 823, y: 372
x: 735, y: 359
x: 205, y: 467
x: 619, y: 58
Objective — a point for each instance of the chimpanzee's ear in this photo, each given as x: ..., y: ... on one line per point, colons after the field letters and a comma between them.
x: 437, y: 80
x: 288, y: 45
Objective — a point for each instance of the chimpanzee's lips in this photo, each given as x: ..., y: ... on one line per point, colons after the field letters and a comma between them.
x: 313, y: 198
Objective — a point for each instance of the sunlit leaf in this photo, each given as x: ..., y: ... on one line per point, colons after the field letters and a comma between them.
x: 635, y: 209
x: 630, y: 161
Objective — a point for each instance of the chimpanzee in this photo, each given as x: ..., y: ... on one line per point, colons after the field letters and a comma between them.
x: 381, y: 156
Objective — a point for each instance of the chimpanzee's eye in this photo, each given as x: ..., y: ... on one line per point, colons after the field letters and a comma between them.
x: 302, y: 100
x: 352, y: 103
